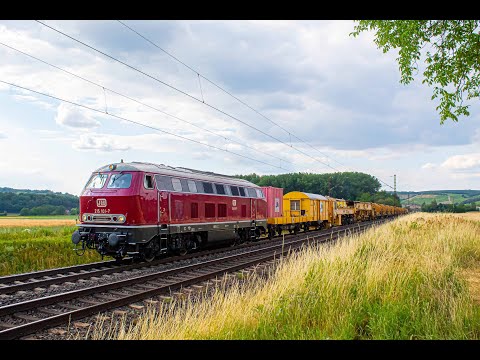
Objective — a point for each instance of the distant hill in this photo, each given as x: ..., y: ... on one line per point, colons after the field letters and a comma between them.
x: 440, y: 196
x: 18, y: 191
x: 36, y: 202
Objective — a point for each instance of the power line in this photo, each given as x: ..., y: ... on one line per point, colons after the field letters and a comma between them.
x: 227, y: 92
x: 138, y: 123
x: 193, y: 97
x: 233, y: 96
x: 182, y: 92
x: 144, y: 104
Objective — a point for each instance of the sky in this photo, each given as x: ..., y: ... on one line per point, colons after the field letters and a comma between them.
x: 232, y: 97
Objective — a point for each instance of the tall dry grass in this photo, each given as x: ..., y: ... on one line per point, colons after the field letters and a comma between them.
x: 402, y: 280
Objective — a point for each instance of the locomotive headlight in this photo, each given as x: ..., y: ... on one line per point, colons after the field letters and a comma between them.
x: 121, y: 218
x: 84, y: 217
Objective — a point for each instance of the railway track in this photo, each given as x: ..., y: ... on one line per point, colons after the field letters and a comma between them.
x: 30, y: 316
x: 41, y: 279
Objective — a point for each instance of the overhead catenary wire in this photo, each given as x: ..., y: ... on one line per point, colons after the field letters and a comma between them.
x: 213, y: 107
x: 138, y: 123
x: 233, y: 96
x: 144, y: 104
x: 227, y: 92
x: 185, y: 93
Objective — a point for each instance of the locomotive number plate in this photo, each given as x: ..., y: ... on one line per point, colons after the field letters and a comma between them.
x: 102, y: 211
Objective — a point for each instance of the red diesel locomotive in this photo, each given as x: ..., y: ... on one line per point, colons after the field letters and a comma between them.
x: 143, y: 210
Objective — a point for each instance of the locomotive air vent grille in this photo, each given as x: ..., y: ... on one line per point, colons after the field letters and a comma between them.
x: 104, y: 218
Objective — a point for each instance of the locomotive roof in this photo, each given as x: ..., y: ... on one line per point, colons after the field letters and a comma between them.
x: 177, y: 171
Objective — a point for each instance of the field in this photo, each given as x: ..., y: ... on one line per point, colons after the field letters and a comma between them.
x: 34, y: 244
x: 29, y: 221
x: 428, y: 198
x: 415, y: 278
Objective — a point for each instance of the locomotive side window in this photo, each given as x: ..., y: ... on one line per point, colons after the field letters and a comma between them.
x: 222, y: 210
x: 192, y: 186
x: 234, y: 190
x: 242, y: 191
x: 148, y: 182
x: 177, y: 186
x: 97, y: 181
x: 228, y: 191
x: 209, y: 210
x: 251, y: 192
x: 120, y: 181
x: 199, y: 186
x: 184, y: 185
x: 164, y: 182
x: 207, y: 187
x: 220, y: 189
x: 259, y: 193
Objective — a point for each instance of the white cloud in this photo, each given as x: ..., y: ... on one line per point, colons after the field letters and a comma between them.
x: 69, y: 116
x: 429, y: 165
x: 99, y: 142
x: 2, y: 136
x: 461, y: 162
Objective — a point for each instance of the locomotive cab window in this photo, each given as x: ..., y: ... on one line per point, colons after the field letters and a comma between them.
x: 259, y: 193
x: 120, y: 181
x: 97, y: 181
x: 228, y: 191
x: 148, y: 182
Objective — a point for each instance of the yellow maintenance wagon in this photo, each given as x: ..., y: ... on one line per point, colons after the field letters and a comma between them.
x: 301, y: 211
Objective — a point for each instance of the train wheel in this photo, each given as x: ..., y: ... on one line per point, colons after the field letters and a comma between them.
x: 150, y: 251
x: 271, y: 233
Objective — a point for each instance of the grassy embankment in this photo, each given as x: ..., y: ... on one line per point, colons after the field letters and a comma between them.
x: 36, y: 244
x: 415, y: 278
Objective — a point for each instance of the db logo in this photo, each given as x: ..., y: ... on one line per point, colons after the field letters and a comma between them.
x: 101, y: 202
x: 234, y: 202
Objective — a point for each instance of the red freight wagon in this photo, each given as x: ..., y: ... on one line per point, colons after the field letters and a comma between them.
x: 274, y: 197
x: 144, y: 210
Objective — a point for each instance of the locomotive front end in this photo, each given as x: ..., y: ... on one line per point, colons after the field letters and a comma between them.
x: 109, y: 213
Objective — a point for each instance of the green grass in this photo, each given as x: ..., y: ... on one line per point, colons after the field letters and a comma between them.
x: 402, y: 280
x: 418, y: 200
x: 25, y: 249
